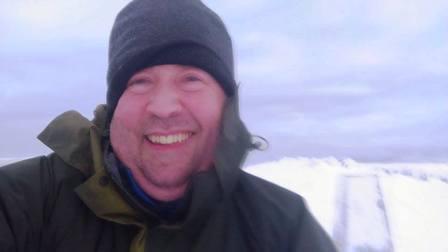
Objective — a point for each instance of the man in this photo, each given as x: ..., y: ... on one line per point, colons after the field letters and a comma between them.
x: 158, y: 169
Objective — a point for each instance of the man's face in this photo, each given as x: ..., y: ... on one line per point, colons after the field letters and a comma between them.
x: 166, y: 124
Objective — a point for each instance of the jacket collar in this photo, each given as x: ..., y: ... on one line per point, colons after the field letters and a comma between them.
x: 70, y: 136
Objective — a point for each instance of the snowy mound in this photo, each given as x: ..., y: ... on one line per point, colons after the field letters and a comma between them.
x: 370, y: 206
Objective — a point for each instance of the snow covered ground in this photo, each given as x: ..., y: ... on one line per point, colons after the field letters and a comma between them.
x: 370, y: 206
x: 397, y: 207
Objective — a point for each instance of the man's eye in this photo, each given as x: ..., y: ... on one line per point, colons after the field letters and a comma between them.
x: 192, y: 83
x: 139, y: 85
x: 192, y: 78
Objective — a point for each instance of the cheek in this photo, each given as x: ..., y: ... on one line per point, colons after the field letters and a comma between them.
x: 125, y: 127
x: 129, y: 111
x: 127, y: 105
x: 208, y: 113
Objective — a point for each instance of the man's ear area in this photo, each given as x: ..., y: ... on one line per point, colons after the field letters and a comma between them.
x: 233, y: 133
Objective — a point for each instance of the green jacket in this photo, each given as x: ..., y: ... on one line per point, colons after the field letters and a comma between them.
x: 72, y: 200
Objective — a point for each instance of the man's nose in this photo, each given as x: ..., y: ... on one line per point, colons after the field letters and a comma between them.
x: 164, y: 103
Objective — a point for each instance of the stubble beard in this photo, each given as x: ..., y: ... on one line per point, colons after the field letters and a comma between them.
x: 161, y: 175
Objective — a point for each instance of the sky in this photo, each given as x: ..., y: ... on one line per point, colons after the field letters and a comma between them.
x: 365, y: 80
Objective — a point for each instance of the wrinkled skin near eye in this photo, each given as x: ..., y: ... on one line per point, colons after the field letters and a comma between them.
x: 165, y: 127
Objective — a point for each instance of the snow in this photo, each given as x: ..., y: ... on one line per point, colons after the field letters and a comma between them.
x: 366, y: 226
x: 320, y: 196
x: 399, y: 207
x: 418, y: 210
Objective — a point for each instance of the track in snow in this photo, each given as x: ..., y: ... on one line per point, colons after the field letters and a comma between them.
x: 362, y: 225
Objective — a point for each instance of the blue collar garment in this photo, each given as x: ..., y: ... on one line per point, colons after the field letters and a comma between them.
x: 169, y: 211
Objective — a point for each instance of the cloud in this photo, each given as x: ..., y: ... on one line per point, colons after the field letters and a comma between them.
x: 269, y: 56
x: 50, y: 20
x: 344, y: 78
x: 408, y: 18
x: 345, y: 89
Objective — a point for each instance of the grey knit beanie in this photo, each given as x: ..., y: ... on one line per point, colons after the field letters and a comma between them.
x: 156, y: 32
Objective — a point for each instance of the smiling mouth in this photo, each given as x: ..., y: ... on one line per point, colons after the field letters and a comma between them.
x: 169, y: 139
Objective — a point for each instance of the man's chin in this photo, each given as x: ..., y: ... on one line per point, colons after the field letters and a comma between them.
x: 169, y: 182
x: 167, y: 179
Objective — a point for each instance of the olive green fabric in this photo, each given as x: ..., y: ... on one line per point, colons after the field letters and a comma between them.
x: 103, y: 199
x: 70, y: 201
x: 78, y: 142
x: 65, y: 135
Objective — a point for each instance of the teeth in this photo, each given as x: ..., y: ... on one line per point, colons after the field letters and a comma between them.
x: 170, y: 139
